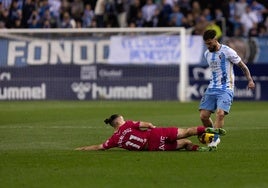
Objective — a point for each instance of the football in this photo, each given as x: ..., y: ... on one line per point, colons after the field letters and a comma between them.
x: 206, y: 138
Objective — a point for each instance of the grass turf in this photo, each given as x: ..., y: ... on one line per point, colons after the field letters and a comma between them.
x: 37, y: 141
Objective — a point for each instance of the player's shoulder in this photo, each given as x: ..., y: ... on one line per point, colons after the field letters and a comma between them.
x: 225, y: 47
x: 206, y: 52
x: 129, y: 123
x: 227, y: 50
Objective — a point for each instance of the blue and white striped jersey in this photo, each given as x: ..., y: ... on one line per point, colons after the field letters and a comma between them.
x: 221, y: 65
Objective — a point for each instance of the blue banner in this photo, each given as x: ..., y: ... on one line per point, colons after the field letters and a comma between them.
x: 117, y: 82
x: 90, y: 50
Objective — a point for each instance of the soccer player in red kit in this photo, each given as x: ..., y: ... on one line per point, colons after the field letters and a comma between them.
x: 140, y: 136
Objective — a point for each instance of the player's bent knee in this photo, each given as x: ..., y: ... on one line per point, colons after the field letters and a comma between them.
x: 220, y: 114
x: 204, y: 116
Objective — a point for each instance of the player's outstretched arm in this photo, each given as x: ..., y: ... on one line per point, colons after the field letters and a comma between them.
x: 90, y: 148
x: 244, y: 68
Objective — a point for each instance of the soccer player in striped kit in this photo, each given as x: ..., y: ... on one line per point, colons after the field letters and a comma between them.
x: 219, y: 94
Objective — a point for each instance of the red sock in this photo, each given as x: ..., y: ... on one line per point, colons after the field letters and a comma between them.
x: 195, y: 147
x: 200, y: 130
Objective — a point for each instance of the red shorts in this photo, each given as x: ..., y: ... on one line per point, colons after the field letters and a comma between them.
x: 163, y: 139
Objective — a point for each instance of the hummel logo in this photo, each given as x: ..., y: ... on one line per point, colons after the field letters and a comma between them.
x: 81, y: 89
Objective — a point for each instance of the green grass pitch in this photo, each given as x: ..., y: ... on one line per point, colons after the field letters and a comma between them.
x: 37, y: 141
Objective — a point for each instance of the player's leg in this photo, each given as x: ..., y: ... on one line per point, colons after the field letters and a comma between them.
x: 189, y: 146
x: 192, y: 131
x: 224, y: 102
x: 186, y: 144
x: 219, y: 119
x: 205, y: 118
x: 187, y: 132
x: 206, y: 107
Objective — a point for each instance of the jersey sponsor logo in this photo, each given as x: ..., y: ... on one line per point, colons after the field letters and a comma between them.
x: 162, y: 143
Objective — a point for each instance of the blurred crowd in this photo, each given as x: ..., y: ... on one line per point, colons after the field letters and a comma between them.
x: 229, y: 17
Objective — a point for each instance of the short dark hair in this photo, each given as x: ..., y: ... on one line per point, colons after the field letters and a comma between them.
x: 209, y: 34
x: 111, y: 119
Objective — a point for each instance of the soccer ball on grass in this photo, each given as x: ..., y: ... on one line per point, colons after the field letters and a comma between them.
x: 206, y: 138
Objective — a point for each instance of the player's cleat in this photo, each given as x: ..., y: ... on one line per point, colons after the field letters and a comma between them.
x: 212, y: 148
x: 215, y: 142
x: 219, y: 131
x: 204, y: 149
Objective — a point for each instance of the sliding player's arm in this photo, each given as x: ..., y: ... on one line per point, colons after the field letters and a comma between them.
x: 146, y: 125
x: 91, y: 148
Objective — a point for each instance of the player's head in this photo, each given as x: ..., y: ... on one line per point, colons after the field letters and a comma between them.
x: 113, y: 119
x: 210, y: 40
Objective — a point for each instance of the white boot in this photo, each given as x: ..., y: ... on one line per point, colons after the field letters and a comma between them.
x: 215, y: 141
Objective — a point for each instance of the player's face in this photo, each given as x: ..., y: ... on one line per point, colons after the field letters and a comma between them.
x: 119, y: 120
x: 211, y: 45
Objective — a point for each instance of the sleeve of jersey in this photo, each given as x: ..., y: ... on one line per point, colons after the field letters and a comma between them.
x: 110, y: 143
x: 233, y: 56
x: 136, y: 125
x: 205, y: 55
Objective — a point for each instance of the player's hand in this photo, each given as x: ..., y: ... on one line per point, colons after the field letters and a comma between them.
x: 80, y: 149
x: 251, y: 85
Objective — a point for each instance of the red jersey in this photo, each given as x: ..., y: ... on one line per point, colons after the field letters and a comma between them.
x: 129, y: 136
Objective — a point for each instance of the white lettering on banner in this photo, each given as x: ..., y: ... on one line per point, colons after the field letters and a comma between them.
x: 61, y: 51
x: 120, y: 92
x: 88, y: 46
x: 33, y: 49
x: 23, y: 93
x: 14, y: 52
x: 110, y: 73
x: 112, y: 92
x: 248, y: 93
x: 52, y: 52
x: 156, y: 55
x: 162, y: 49
x: 197, y: 91
x: 100, y: 49
x: 124, y: 50
x: 88, y: 72
x: 5, y: 76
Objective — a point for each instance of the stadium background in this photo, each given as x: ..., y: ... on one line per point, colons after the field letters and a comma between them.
x: 53, y: 101
x: 34, y: 68
x: 84, y: 67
